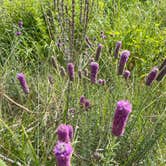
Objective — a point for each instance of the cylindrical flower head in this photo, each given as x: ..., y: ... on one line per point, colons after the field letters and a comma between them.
x: 117, y: 48
x: 70, y: 69
x: 63, y: 153
x: 123, y: 59
x: 18, y: 33
x: 82, y: 100
x: 71, y: 131
x: 63, y: 133
x: 98, y: 52
x: 121, y: 115
x: 151, y: 76
x: 20, y: 24
x: 126, y: 74
x: 161, y: 74
x: 94, y: 70
x: 23, y: 82
x: 87, y: 104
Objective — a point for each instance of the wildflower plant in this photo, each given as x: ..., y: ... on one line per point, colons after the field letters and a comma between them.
x: 23, y: 83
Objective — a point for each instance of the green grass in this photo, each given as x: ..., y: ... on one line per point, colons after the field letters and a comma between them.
x: 29, y: 138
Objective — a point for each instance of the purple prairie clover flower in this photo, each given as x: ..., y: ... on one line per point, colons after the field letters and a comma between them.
x: 123, y: 59
x: 63, y: 133
x: 70, y: 69
x: 82, y: 100
x: 63, y: 153
x: 87, y: 104
x: 98, y: 52
x: 117, y: 48
x: 94, y: 70
x: 121, y: 115
x: 18, y: 33
x: 21, y: 78
x: 161, y: 74
x: 101, y: 82
x: 151, y: 76
x: 20, y: 24
x: 126, y: 74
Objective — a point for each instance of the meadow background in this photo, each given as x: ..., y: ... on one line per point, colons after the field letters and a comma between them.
x: 58, y: 29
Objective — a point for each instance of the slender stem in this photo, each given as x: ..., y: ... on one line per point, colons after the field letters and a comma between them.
x: 68, y: 99
x: 17, y: 104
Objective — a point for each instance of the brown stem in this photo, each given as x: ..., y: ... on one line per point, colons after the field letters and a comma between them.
x: 17, y: 104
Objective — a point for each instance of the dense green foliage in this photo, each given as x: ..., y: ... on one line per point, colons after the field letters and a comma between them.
x: 28, y: 138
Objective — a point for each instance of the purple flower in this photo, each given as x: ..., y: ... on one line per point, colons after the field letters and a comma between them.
x: 126, y: 74
x: 101, y: 82
x: 23, y: 82
x: 94, y: 70
x: 18, y: 33
x: 121, y: 115
x: 98, y: 52
x: 87, y: 104
x: 117, y: 48
x: 161, y: 74
x: 63, y: 133
x: 82, y: 100
x: 70, y: 69
x: 20, y: 24
x: 63, y: 153
x: 123, y: 59
x: 151, y: 76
